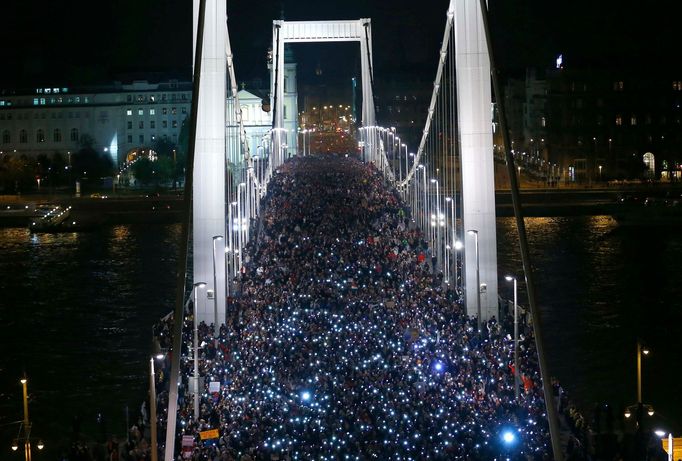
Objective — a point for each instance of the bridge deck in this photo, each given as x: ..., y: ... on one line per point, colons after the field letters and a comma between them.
x: 342, y: 342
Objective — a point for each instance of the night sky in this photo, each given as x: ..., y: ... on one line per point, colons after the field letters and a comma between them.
x: 68, y: 43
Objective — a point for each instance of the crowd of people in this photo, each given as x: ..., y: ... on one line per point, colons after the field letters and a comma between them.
x: 343, y: 343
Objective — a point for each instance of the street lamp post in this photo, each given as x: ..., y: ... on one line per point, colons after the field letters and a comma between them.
x: 639, y: 407
x: 240, y: 218
x: 216, y: 328
x: 230, y: 242
x: 437, y: 232
x: 425, y: 205
x: 152, y: 407
x: 640, y: 350
x: 25, y: 426
x: 196, y: 350
x: 478, y: 277
x: 517, y: 386
x: 453, y: 222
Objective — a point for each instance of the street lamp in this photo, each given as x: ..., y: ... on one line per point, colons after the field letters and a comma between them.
x: 195, y: 290
x: 509, y: 278
x: 216, y: 328
x: 453, y: 218
x: 478, y: 277
x: 436, y: 232
x: 152, y: 403
x: 24, y: 434
x: 240, y: 218
x: 230, y: 243
x: 640, y: 350
x: 639, y: 407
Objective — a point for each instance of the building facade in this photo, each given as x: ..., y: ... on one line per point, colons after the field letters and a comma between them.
x: 592, y: 125
x: 119, y: 119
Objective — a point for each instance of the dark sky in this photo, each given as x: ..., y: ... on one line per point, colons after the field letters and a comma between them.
x: 76, y: 41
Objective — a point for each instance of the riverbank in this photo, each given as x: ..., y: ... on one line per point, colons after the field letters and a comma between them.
x: 162, y: 208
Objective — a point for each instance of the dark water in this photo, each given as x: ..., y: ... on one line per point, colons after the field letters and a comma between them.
x: 76, y: 312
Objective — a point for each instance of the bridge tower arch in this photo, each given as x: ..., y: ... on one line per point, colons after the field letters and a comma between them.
x: 284, y: 32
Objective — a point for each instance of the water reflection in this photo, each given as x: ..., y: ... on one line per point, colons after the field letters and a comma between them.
x: 76, y: 311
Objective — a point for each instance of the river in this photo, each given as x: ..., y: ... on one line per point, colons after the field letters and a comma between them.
x: 77, y: 308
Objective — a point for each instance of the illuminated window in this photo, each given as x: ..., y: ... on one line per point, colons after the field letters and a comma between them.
x: 152, y: 111
x: 40, y: 135
x: 140, y: 111
x: 74, y: 134
x: 174, y: 111
x: 619, y: 120
x: 543, y: 122
x: 6, y: 137
x: 164, y: 111
x: 677, y: 85
x: 23, y: 137
x: 57, y: 135
x: 619, y: 85
x: 633, y: 120
x: 129, y: 112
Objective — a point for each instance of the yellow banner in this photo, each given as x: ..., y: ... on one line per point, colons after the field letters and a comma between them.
x: 210, y: 434
x: 677, y: 447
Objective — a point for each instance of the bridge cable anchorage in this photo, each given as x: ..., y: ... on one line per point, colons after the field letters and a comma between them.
x: 181, y: 271
x: 552, y: 415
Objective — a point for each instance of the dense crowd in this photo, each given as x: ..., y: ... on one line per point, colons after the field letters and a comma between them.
x: 341, y: 343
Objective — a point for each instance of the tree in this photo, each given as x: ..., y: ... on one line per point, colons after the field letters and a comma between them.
x: 163, y: 147
x: 142, y: 170
x: 88, y: 162
x: 16, y: 173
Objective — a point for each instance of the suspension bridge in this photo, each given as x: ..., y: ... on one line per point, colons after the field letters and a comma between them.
x: 445, y: 192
